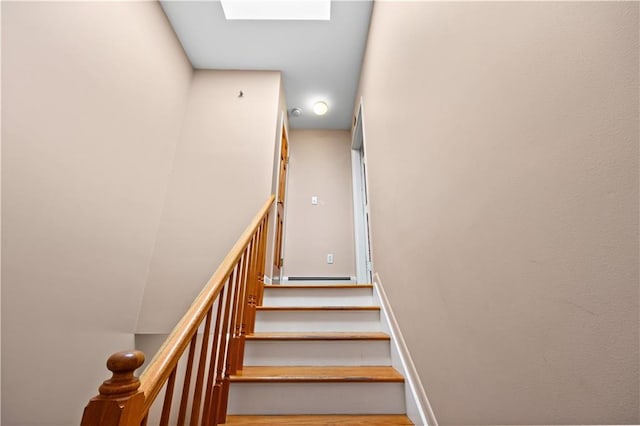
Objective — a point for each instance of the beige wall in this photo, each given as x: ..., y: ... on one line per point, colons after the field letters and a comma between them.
x: 320, y: 165
x: 93, y: 100
x: 124, y: 172
x: 502, y: 145
x: 221, y: 177
x: 0, y: 228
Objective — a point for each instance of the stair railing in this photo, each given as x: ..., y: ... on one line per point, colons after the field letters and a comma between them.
x: 213, y: 329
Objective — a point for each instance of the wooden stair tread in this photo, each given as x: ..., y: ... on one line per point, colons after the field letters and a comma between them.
x: 281, y: 374
x: 347, y: 420
x: 318, y: 308
x: 318, y: 335
x: 316, y: 286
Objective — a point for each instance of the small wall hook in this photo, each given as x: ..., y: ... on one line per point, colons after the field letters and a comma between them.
x: 241, y: 94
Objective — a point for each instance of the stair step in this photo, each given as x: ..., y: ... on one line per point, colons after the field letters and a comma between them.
x: 294, y: 348
x: 318, y: 295
x: 318, y: 282
x: 345, y: 420
x: 318, y: 308
x: 320, y: 335
x: 315, y: 286
x: 327, y: 374
x: 285, y: 319
x: 316, y: 397
x: 318, y: 350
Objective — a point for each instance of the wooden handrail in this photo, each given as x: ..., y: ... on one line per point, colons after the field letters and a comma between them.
x: 237, y: 284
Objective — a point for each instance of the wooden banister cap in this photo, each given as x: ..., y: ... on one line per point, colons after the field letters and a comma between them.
x: 123, y: 382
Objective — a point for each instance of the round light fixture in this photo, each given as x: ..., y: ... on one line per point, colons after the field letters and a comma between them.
x: 320, y: 108
x: 296, y: 112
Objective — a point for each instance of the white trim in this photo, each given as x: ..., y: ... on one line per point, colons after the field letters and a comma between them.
x: 358, y: 218
x: 418, y: 407
x: 360, y: 228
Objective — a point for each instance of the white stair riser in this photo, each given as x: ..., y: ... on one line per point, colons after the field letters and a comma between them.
x: 318, y: 282
x: 322, y: 352
x: 318, y: 297
x: 267, y: 321
x: 316, y: 398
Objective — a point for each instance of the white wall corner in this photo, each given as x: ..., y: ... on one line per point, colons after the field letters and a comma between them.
x: 418, y: 407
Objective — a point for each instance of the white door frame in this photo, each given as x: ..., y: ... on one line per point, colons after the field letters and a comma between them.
x: 360, y: 203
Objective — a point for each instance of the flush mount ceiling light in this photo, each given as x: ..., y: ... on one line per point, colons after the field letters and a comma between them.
x: 320, y: 108
x: 302, y: 10
x: 296, y: 112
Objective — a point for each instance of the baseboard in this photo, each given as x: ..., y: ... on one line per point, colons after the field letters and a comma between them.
x: 317, y: 278
x: 418, y: 407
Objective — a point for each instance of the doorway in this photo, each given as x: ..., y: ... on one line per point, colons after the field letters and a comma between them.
x: 360, y: 202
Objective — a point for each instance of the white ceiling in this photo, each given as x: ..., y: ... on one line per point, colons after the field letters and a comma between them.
x: 319, y: 60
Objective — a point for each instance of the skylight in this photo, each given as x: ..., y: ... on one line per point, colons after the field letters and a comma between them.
x: 302, y: 10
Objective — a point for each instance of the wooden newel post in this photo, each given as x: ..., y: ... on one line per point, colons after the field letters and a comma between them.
x: 119, y: 403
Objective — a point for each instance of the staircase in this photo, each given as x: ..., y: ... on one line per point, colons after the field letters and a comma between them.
x: 318, y: 357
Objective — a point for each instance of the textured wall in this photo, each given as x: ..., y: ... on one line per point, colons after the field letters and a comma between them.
x: 502, y: 144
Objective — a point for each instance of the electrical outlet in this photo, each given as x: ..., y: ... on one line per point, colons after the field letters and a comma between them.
x: 330, y: 258
x: 314, y: 200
